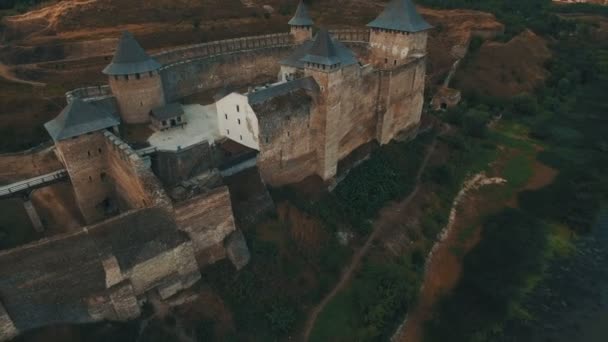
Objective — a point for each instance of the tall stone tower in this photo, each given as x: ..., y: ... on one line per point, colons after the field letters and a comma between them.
x: 301, y: 24
x: 78, y: 135
x: 135, y: 81
x: 397, y: 34
x: 326, y: 60
x: 398, y: 51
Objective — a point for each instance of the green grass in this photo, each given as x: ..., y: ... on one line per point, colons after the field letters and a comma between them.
x: 337, y: 319
x: 518, y: 171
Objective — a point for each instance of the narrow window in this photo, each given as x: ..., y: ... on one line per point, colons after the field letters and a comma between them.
x: 141, y: 104
x: 179, y: 119
x: 99, y: 150
x: 164, y: 122
x: 266, y: 139
x: 287, y: 133
x: 90, y: 179
x: 228, y: 131
x: 386, y: 61
x: 240, y: 136
x: 89, y: 153
x: 151, y: 73
x: 116, y: 77
x: 226, y: 115
x: 238, y: 109
x: 138, y: 76
x: 395, y: 62
x: 239, y: 120
x: 102, y: 176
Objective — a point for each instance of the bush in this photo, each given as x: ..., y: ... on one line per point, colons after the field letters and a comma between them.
x: 281, y: 318
x: 525, y: 104
x: 494, y: 273
x: 475, y: 123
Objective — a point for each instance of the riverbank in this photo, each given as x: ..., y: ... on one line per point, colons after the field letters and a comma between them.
x: 571, y: 302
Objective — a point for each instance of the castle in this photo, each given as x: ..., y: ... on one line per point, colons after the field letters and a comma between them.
x: 157, y: 208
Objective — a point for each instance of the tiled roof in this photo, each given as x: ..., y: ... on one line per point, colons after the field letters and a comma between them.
x: 302, y: 17
x: 130, y: 58
x: 78, y: 118
x: 322, y: 50
x: 400, y: 15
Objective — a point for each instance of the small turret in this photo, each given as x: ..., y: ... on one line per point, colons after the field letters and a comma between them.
x: 135, y: 81
x: 78, y: 132
x: 326, y: 54
x: 301, y: 24
x: 397, y: 34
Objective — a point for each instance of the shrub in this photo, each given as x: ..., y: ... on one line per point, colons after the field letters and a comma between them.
x: 475, y: 123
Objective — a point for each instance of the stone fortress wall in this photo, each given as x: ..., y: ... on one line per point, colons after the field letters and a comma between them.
x: 157, y: 245
x: 236, y: 62
x: 153, y: 245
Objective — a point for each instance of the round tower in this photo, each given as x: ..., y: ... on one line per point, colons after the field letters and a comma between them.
x: 301, y: 24
x: 135, y: 81
x: 397, y: 34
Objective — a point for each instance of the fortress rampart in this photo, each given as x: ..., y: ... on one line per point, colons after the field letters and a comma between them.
x: 237, y: 62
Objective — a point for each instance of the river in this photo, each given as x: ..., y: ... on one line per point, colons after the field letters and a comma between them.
x: 571, y: 303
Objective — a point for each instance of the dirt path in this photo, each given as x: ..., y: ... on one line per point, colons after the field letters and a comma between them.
x: 443, y: 267
x: 347, y: 273
x: 6, y: 73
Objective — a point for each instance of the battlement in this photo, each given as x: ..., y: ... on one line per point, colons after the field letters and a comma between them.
x: 133, y: 180
x: 351, y: 35
x: 220, y: 47
x: 89, y: 93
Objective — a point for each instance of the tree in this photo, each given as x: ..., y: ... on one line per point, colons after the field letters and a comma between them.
x: 475, y: 123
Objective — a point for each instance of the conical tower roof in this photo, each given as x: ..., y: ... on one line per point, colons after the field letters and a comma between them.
x: 326, y: 51
x: 130, y: 58
x: 302, y: 17
x: 400, y: 15
x: 79, y: 118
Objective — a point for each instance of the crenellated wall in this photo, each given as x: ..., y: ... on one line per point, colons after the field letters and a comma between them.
x: 351, y: 35
x: 133, y: 183
x: 236, y: 69
x: 222, y: 47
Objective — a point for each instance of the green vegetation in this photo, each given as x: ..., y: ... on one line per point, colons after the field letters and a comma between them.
x: 517, y: 15
x: 367, y: 311
x: 481, y: 301
x: 269, y: 297
x: 389, y: 174
x: 567, y: 119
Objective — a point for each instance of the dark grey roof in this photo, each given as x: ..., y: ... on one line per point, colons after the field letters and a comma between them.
x: 307, y: 83
x: 327, y: 51
x: 78, y: 118
x: 168, y: 111
x: 302, y: 17
x: 47, y: 282
x: 400, y: 15
x: 130, y: 58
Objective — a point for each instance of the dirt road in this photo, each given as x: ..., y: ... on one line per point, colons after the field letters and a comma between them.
x: 347, y: 273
